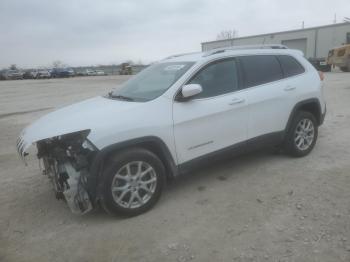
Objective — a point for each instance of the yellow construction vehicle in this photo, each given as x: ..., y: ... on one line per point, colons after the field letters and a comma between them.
x: 340, y: 56
x: 125, y: 69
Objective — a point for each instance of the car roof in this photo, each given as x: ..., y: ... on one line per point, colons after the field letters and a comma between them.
x: 229, y: 51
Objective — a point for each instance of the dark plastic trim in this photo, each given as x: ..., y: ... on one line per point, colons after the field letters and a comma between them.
x: 96, y: 168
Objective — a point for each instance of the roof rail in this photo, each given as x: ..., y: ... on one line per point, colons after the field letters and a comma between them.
x: 178, y: 55
x: 242, y: 47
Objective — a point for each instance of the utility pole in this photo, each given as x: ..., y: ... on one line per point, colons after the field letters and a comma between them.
x: 303, y: 25
x: 335, y: 18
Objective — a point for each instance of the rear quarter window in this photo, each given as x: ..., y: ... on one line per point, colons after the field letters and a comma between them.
x: 290, y: 66
x: 260, y: 69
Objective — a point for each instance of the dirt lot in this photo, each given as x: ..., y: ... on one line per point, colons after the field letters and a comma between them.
x: 258, y: 207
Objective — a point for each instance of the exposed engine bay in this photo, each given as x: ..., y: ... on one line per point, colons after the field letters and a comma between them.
x: 66, y: 160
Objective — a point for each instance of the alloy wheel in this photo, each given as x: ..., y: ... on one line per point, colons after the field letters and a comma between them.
x: 134, y: 184
x: 304, y: 134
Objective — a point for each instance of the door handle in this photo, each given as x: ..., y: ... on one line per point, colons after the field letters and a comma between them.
x: 289, y: 88
x: 236, y: 101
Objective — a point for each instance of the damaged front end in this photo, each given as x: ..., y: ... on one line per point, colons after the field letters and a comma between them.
x: 66, y: 161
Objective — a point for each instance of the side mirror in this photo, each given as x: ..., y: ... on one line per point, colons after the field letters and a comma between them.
x: 191, y: 90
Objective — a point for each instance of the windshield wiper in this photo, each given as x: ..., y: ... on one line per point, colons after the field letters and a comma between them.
x: 121, y: 97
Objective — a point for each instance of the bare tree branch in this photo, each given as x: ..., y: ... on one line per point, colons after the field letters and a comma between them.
x: 227, y: 34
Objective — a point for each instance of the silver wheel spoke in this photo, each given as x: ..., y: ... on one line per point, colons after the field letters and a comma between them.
x: 122, y: 195
x: 146, y: 172
x: 301, y: 141
x: 125, y: 178
x: 297, y: 138
x: 131, y: 199
x: 152, y: 180
x: 139, y: 167
x: 128, y: 171
x: 139, y: 199
x: 120, y: 188
x: 145, y: 188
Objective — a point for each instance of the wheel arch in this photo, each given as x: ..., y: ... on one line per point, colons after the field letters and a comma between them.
x: 311, y: 105
x: 151, y: 143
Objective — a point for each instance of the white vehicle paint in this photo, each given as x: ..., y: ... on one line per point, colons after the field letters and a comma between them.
x: 188, y: 126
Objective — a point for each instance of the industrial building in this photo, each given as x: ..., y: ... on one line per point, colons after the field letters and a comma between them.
x: 315, y: 42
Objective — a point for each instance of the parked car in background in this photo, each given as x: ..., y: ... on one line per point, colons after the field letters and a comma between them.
x: 32, y: 74
x: 100, y: 73
x: 340, y: 57
x: 71, y: 72
x: 90, y: 72
x: 2, y: 75
x: 59, y: 72
x: 62, y: 72
x: 43, y: 74
x: 13, y: 75
x: 201, y: 106
x: 27, y: 75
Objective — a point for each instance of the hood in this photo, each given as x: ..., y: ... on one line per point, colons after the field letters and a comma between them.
x: 85, y: 115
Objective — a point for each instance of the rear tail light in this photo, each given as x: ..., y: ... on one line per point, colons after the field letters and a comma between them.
x: 321, y: 74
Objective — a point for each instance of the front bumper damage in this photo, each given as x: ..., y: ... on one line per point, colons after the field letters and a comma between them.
x: 66, y: 161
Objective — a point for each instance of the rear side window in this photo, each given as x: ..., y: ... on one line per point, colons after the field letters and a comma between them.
x: 260, y: 69
x: 290, y: 66
x: 217, y: 78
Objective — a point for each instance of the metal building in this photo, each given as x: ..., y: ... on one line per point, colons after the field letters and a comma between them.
x: 315, y: 42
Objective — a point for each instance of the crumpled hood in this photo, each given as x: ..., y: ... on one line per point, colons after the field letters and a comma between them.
x: 85, y: 115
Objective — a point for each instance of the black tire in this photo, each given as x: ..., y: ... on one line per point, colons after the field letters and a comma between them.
x: 290, y: 144
x: 344, y: 69
x: 116, y: 164
x: 327, y: 68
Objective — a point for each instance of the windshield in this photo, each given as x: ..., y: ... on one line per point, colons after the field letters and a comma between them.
x: 151, y: 82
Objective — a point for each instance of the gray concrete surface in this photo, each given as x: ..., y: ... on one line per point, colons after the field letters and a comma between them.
x: 258, y: 207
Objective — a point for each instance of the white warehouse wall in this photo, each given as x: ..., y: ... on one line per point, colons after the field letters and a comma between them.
x: 327, y: 37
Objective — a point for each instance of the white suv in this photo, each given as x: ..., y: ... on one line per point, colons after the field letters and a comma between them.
x: 118, y: 149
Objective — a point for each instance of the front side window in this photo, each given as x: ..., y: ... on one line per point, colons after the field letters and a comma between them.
x: 217, y: 78
x: 260, y: 69
x: 290, y: 66
x: 151, y: 82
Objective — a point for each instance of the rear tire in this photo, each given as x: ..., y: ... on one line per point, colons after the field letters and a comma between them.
x: 133, y: 182
x: 302, y: 134
x: 344, y: 69
x: 327, y: 68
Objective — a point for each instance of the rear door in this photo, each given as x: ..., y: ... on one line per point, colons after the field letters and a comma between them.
x: 267, y: 97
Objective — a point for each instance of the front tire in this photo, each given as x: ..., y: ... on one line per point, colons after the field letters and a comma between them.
x: 133, y: 182
x: 302, y: 134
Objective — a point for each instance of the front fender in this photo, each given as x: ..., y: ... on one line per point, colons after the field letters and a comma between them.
x: 152, y: 143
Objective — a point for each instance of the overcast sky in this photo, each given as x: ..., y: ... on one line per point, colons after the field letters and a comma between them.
x: 35, y: 33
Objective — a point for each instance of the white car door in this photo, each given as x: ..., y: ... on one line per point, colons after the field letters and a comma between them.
x: 268, y: 94
x: 214, y: 119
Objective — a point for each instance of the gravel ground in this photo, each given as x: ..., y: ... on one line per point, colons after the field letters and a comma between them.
x: 258, y: 207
